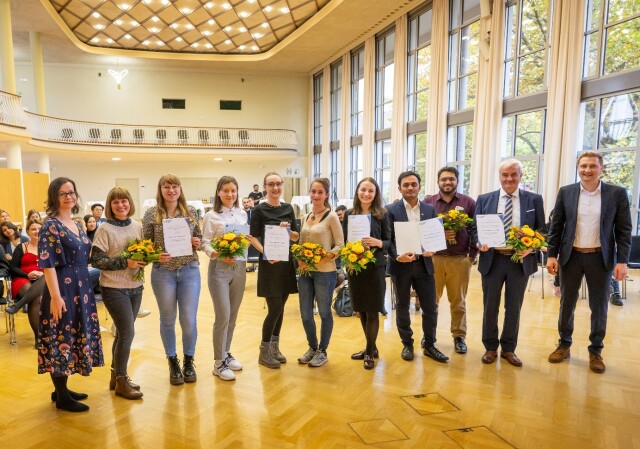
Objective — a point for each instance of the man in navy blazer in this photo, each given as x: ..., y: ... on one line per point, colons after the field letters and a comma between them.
x: 590, y: 236
x: 499, y: 270
x: 410, y: 269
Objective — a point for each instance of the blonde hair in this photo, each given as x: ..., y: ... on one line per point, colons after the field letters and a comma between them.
x: 161, y: 210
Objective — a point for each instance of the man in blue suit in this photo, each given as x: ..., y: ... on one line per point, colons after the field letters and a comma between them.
x: 518, y: 208
x: 410, y: 269
x: 591, y: 233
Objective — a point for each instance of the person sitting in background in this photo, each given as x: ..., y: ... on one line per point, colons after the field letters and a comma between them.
x: 247, y: 206
x: 340, y: 210
x: 91, y: 225
x: 32, y: 215
x: 4, y: 270
x: 96, y: 210
x: 10, y: 238
x: 26, y: 275
x: 4, y: 216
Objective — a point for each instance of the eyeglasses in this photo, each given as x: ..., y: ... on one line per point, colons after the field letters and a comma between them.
x: 63, y: 195
x: 170, y: 187
x: 272, y: 185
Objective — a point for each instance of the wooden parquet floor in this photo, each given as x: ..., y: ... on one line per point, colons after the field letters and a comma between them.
x: 419, y: 404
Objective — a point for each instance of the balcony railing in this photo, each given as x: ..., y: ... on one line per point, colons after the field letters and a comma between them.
x: 53, y: 129
x: 11, y: 112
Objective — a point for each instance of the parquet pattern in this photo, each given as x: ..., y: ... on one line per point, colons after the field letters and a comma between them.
x: 399, y: 404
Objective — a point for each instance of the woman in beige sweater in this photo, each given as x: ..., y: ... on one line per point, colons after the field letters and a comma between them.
x: 321, y: 226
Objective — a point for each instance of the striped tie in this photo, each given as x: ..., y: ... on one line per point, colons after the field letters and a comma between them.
x: 507, y: 216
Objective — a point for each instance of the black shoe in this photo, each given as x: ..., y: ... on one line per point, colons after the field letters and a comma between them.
x: 75, y: 396
x: 360, y: 355
x: 435, y: 354
x: 615, y: 299
x: 189, y: 369
x: 71, y: 406
x: 422, y: 343
x: 407, y: 353
x: 460, y: 345
x: 12, y: 309
x: 175, y: 373
x: 368, y: 362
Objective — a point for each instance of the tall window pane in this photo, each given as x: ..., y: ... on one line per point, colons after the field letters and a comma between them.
x: 355, y: 168
x: 336, y: 101
x: 523, y: 139
x: 459, y: 145
x: 384, y: 80
x: 334, y: 158
x: 417, y: 156
x: 382, y: 167
x: 418, y: 66
x: 464, y: 40
x: 317, y: 109
x: 357, y: 92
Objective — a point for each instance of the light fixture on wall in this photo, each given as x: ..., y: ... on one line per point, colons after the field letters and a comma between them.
x: 118, y: 75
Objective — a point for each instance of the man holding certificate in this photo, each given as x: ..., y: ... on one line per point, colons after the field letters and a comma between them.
x: 518, y: 208
x: 413, y: 268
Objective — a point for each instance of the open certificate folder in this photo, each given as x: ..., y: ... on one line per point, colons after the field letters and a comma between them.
x: 359, y: 227
x: 177, y: 236
x: 490, y: 230
x: 276, y: 243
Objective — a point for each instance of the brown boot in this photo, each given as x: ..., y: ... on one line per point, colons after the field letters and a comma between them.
x: 125, y: 390
x: 112, y: 382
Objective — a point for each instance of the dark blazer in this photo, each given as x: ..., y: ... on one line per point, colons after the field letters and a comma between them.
x: 531, y: 213
x: 615, y: 224
x: 380, y: 230
x: 5, y: 270
x: 398, y: 212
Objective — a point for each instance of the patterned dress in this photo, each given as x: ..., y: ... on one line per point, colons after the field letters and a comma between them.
x: 73, y: 344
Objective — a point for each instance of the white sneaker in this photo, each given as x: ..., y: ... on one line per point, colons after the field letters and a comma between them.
x: 306, y: 358
x: 232, y: 363
x: 143, y: 313
x: 319, y: 359
x: 221, y: 370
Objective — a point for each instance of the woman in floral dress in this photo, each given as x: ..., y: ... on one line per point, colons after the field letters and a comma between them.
x: 69, y: 335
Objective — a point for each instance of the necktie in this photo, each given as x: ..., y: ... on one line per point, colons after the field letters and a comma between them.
x: 507, y: 217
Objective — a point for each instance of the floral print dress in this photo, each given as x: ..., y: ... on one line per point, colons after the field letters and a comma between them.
x: 73, y: 344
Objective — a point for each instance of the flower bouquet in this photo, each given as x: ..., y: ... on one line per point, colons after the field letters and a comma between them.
x: 522, y: 239
x: 144, y: 251
x: 309, y: 254
x: 355, y: 257
x: 230, y: 245
x: 454, y: 220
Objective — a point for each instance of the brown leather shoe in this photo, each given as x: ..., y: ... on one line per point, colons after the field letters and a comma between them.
x: 511, y: 357
x: 596, y: 364
x: 489, y: 357
x: 560, y: 354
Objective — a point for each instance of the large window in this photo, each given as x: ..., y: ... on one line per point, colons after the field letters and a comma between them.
x: 334, y: 157
x: 464, y: 39
x: 527, y: 50
x: 418, y: 67
x: 382, y: 168
x: 317, y: 162
x: 523, y: 139
x: 459, y: 144
x: 417, y: 156
x: 317, y: 109
x: 336, y: 101
x: 384, y: 80
x: 355, y: 170
x: 357, y: 91
x: 612, y: 37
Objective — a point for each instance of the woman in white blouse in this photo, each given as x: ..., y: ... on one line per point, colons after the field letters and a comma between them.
x: 226, y: 284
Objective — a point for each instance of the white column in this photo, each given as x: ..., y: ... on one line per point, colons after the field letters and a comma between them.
x: 38, y: 71
x: 14, y: 155
x: 43, y: 163
x: 6, y: 48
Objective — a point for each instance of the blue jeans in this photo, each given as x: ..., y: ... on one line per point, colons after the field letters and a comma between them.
x: 177, y: 290
x: 320, y: 286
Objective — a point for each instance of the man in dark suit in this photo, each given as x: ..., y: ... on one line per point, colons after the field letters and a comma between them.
x: 518, y: 208
x: 247, y: 205
x: 415, y: 270
x: 591, y: 232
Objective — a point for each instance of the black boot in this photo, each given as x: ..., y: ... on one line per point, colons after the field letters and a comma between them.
x: 175, y: 373
x: 189, y: 369
x: 63, y: 400
x: 75, y: 396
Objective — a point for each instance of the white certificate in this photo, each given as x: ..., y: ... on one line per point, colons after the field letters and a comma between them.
x: 238, y: 229
x: 276, y: 243
x: 407, y: 237
x: 432, y: 235
x: 177, y: 236
x: 490, y: 230
x: 359, y: 227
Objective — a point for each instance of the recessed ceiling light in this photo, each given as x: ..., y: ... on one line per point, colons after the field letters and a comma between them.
x: 228, y: 41
x: 179, y: 39
x: 209, y: 5
x: 206, y: 33
x: 251, y: 1
x: 165, y: 2
x: 160, y: 43
x: 174, y: 25
x: 254, y: 48
x: 96, y: 14
x: 284, y: 10
x: 228, y: 28
x: 242, y: 29
x: 195, y: 45
x: 257, y: 36
x: 134, y: 23
x: 185, y: 11
x: 208, y: 45
x: 146, y: 42
x: 211, y: 22
x: 124, y: 6
x: 148, y: 1
x: 265, y: 25
x: 116, y: 158
x: 127, y: 36
x: 23, y: 80
x: 155, y: 19
x: 118, y: 22
x: 189, y: 26
x: 268, y: 8
x: 242, y: 47
x: 217, y: 158
x: 226, y: 5
x: 154, y: 30
x: 99, y: 26
x: 109, y: 40
x: 244, y: 14
x: 95, y: 39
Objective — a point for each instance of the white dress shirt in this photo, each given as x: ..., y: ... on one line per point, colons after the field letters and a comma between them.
x: 588, y: 218
x: 213, y: 224
x: 413, y: 213
x: 515, y: 204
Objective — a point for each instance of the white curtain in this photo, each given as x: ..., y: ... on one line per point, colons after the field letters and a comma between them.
x: 563, y: 104
x: 488, y: 110
x: 345, y: 132
x: 368, y: 127
x: 399, y: 124
x: 437, y: 114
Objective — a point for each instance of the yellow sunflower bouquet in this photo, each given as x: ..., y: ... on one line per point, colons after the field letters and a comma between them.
x: 454, y: 220
x: 144, y: 251
x: 309, y: 254
x: 230, y: 245
x: 522, y: 239
x: 355, y: 257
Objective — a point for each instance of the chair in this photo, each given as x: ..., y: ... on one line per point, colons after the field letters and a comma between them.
x: 67, y: 133
x: 161, y: 135
x: 542, y: 265
x: 634, y: 261
x: 203, y: 136
x: 223, y: 134
x: 138, y: 135
x: 183, y: 136
x: 9, y: 321
x: 116, y: 135
x: 94, y: 133
x: 253, y: 257
x: 243, y: 135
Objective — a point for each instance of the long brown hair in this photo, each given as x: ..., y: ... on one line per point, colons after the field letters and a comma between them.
x: 161, y: 210
x: 217, y: 202
x: 53, y: 202
x: 377, y: 209
x: 326, y: 185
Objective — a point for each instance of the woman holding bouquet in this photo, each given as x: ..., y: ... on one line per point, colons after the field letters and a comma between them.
x: 227, y: 276
x: 321, y: 226
x: 176, y: 281
x: 276, y: 279
x: 367, y: 288
x: 120, y: 293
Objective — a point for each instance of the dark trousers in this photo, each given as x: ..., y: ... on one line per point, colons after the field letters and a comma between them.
x: 273, y: 321
x: 598, y: 284
x: 415, y: 274
x: 510, y: 275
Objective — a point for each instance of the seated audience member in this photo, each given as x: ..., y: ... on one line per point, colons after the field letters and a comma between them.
x: 91, y: 225
x: 4, y: 216
x: 32, y: 215
x: 340, y: 210
x: 26, y: 276
x: 96, y: 210
x: 4, y: 270
x: 10, y: 238
x: 247, y: 206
